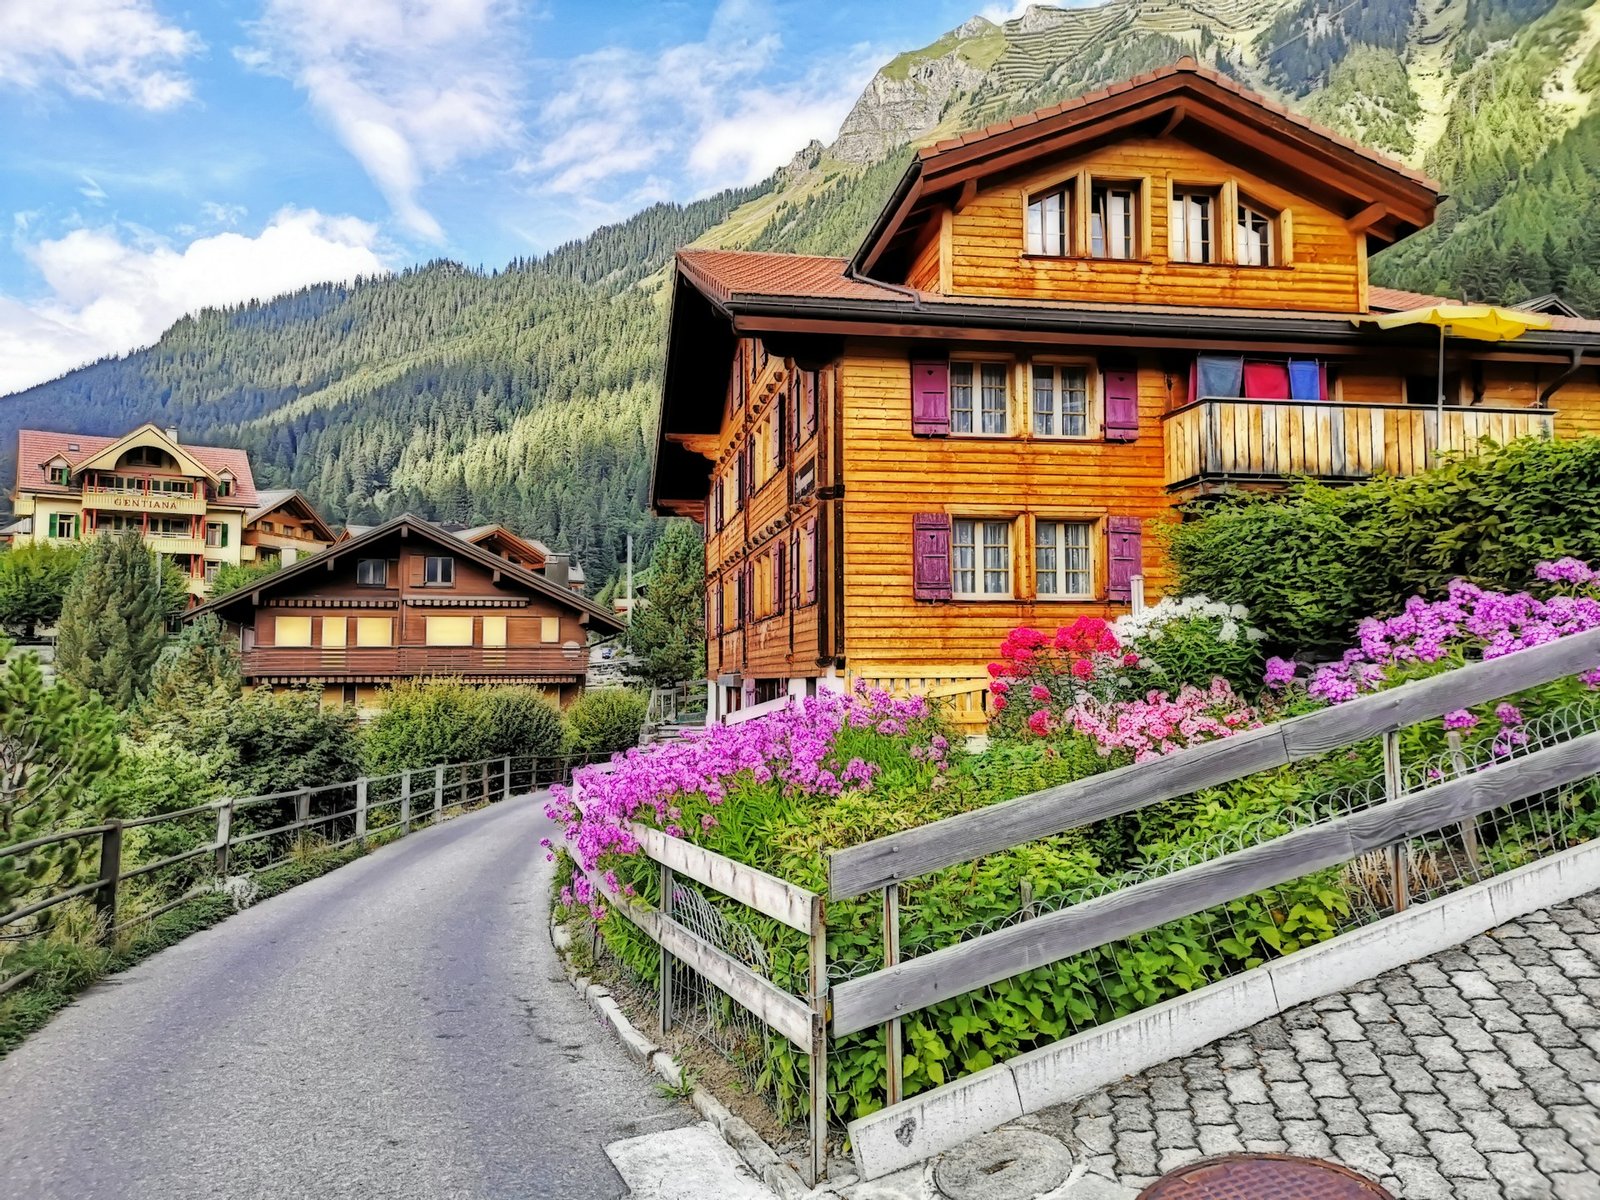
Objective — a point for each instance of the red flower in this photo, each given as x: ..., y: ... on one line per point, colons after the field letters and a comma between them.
x: 1083, y: 669
x: 1130, y: 659
x: 1040, y: 722
x: 998, y: 670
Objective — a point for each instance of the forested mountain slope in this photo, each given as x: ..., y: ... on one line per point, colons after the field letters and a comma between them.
x: 526, y: 395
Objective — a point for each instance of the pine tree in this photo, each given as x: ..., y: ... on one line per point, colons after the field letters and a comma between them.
x: 113, y: 621
x: 199, y: 671
x: 668, y: 631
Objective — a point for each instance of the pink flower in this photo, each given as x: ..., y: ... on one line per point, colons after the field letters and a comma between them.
x: 1040, y: 692
x: 1459, y: 719
x: 1040, y: 722
x: 1083, y: 669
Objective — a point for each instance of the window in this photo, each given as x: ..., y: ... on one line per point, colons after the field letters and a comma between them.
x: 805, y: 480
x: 58, y: 475
x: 438, y: 571
x: 62, y: 525
x: 1113, y: 218
x: 494, y: 630
x: 989, y: 382
x: 1193, y: 226
x: 334, y: 632
x: 808, y: 563
x: 806, y: 417
x: 225, y: 486
x: 216, y: 534
x: 291, y: 631
x: 1064, y: 564
x: 768, y: 690
x: 1060, y: 401
x: 374, y: 631
x: 210, y: 572
x: 1254, y: 236
x: 372, y: 572
x: 1049, y: 220
x: 449, y: 631
x: 982, y: 552
x: 549, y: 629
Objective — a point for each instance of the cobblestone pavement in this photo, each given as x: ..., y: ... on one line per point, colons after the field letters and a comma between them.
x: 1471, y: 1075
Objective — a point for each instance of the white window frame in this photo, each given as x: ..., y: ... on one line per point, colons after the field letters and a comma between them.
x: 1090, y: 398
x: 981, y: 374
x: 1132, y: 219
x: 1246, y: 235
x: 974, y: 536
x: 383, y: 572
x: 1047, y: 208
x: 1058, y: 547
x: 447, y: 577
x: 1194, y: 219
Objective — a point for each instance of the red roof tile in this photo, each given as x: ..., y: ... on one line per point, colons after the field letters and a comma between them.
x: 36, y: 446
x: 724, y: 273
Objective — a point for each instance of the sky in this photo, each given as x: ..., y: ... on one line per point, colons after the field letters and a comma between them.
x: 158, y: 156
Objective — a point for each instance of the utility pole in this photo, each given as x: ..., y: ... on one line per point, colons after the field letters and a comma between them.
x: 630, y: 579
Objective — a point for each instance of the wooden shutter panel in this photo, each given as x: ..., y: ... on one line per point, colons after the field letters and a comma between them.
x: 1122, y: 405
x: 1126, y: 557
x: 930, y: 398
x: 813, y: 386
x: 930, y: 552
x: 811, y: 569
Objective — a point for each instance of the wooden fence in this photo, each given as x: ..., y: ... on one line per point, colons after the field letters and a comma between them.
x: 885, y: 996
x: 351, y: 811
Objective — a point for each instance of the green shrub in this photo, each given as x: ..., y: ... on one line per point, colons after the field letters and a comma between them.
x: 1192, y: 641
x: 276, y: 742
x: 607, y: 720
x: 426, y: 722
x: 523, y: 720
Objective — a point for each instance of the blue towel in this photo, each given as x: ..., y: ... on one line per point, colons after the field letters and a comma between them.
x: 1305, y: 379
x: 1220, y: 375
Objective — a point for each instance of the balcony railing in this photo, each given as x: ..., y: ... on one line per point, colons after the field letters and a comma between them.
x: 1263, y: 440
x: 320, y: 661
x: 129, y: 500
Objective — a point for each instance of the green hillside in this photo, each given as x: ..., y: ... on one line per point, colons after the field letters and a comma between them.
x: 526, y: 395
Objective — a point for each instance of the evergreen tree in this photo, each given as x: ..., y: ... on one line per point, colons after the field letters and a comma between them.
x: 198, y: 672
x: 668, y: 629
x: 113, y: 620
x: 33, y: 583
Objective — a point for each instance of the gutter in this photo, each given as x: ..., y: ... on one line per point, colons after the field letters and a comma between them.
x: 1560, y: 380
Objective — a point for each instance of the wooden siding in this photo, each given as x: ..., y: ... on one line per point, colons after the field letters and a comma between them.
x: 1274, y: 439
x: 889, y: 476
x: 1577, y: 405
x: 1326, y: 268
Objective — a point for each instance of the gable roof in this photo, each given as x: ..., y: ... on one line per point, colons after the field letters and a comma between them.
x: 427, y: 530
x: 275, y: 498
x: 723, y: 274
x: 35, y: 447
x: 1186, y: 101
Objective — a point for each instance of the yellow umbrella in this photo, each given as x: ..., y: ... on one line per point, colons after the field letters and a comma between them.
x: 1480, y: 322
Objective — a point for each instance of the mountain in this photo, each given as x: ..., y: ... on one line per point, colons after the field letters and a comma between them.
x: 526, y: 395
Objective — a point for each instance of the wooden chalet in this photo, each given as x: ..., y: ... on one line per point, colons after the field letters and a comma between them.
x: 408, y: 599
x: 282, y: 527
x: 1058, y: 328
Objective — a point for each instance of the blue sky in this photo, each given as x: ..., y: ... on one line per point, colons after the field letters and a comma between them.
x: 157, y: 156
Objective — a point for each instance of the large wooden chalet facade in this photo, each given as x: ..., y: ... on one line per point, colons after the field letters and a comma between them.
x: 1058, y: 329
x: 409, y: 599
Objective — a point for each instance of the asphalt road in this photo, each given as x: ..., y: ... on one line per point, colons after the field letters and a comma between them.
x: 396, y: 1028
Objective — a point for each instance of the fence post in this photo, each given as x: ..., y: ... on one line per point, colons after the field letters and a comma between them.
x: 505, y: 764
x: 405, y: 802
x: 817, y: 997
x: 1469, y: 827
x: 891, y: 956
x: 1399, y: 854
x: 483, y: 769
x: 361, y: 808
x: 438, y: 794
x: 302, y: 808
x: 1136, y: 594
x: 664, y: 1005
x: 105, y: 896
x: 224, y: 834
x: 461, y: 798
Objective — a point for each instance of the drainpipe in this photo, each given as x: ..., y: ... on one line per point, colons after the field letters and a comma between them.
x: 910, y: 294
x: 1560, y: 380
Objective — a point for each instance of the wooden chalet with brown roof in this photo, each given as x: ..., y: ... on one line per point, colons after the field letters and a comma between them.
x: 1059, y: 328
x: 409, y: 599
x: 283, y: 526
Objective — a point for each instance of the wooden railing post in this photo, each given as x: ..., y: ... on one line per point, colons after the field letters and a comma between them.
x: 224, y: 834
x: 483, y: 769
x: 461, y: 797
x: 817, y: 998
x: 893, y: 1044
x: 505, y: 764
x: 1400, y: 852
x: 302, y: 808
x: 664, y: 1003
x: 438, y: 794
x: 405, y: 802
x: 105, y: 896
x: 361, y: 808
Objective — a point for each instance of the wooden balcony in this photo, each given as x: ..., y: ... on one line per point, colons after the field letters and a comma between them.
x: 1246, y: 441
x: 383, y: 662
x: 131, y: 500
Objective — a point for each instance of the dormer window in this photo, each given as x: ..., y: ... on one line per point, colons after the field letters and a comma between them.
x: 224, y: 485
x: 1194, y: 225
x: 1050, y: 222
x: 58, y: 474
x: 1114, y: 220
x: 1256, y: 235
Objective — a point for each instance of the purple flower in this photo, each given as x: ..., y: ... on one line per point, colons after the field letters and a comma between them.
x: 1509, y: 714
x: 1280, y: 672
x: 1459, y: 719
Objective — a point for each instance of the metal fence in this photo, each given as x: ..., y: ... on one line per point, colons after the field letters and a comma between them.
x: 246, y: 835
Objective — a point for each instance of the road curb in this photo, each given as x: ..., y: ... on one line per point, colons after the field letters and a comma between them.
x: 738, y: 1133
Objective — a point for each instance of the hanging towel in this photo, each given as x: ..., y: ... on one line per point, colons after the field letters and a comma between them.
x: 1266, y: 380
x: 1305, y: 379
x: 1219, y: 376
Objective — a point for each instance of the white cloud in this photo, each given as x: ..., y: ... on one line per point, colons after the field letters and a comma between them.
x: 108, y: 290
x: 411, y: 87
x: 117, y: 50
x: 708, y: 110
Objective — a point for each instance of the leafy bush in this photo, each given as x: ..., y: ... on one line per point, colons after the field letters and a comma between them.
x: 424, y: 722
x: 606, y: 720
x: 1310, y: 564
x: 1192, y: 641
x: 33, y: 583
x: 232, y: 577
x: 523, y: 720
x: 277, y: 742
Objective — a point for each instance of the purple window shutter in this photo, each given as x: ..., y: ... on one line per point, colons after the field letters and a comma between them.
x: 1122, y: 406
x: 930, y: 398
x: 930, y: 536
x: 1126, y: 557
x: 779, y: 580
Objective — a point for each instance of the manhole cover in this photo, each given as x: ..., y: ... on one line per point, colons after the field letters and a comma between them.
x: 1263, y: 1177
x: 1002, y: 1165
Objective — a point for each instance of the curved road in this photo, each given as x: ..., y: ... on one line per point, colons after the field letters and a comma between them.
x: 396, y: 1028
